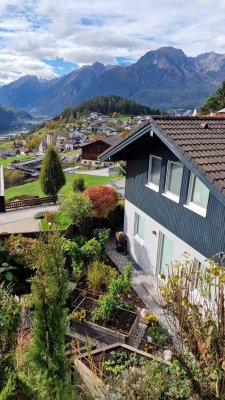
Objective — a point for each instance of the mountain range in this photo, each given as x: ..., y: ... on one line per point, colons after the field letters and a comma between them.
x: 165, y: 78
x: 11, y: 119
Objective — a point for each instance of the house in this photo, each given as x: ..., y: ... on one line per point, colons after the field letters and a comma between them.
x: 175, y: 190
x: 24, y: 151
x: 91, y: 151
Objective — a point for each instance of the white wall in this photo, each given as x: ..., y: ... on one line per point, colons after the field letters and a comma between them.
x: 145, y: 254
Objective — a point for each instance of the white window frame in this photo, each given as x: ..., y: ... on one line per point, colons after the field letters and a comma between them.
x: 150, y: 184
x: 136, y: 236
x: 190, y: 205
x: 167, y: 193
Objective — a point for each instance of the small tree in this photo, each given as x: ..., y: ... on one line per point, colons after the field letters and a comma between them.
x: 47, y: 361
x: 103, y: 198
x: 79, y: 184
x: 196, y: 304
x: 9, y: 325
x: 77, y: 207
x: 51, y: 177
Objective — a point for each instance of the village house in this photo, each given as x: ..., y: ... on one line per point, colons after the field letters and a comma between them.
x: 175, y: 190
x: 91, y: 151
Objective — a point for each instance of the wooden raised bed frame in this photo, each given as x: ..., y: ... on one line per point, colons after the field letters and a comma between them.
x: 108, y: 335
x: 91, y: 380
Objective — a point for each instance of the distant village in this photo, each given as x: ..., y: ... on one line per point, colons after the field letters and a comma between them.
x: 79, y: 144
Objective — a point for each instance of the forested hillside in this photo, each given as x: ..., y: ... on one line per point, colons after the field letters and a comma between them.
x: 109, y: 105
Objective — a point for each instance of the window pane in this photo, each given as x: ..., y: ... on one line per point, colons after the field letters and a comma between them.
x: 175, y: 179
x: 155, y: 169
x: 140, y: 226
x: 200, y: 193
x: 166, y: 254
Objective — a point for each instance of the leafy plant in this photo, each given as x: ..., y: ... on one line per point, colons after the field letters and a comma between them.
x: 96, y: 275
x: 121, y: 360
x: 79, y: 314
x: 158, y: 334
x: 77, y: 207
x: 108, y: 303
x: 127, y: 277
x: 5, y: 272
x: 102, y: 236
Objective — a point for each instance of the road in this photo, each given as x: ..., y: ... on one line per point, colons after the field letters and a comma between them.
x: 22, y: 220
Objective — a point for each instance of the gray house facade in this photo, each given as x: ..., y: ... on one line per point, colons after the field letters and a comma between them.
x: 175, y: 190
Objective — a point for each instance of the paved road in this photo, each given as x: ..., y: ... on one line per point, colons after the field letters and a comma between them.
x: 24, y: 214
x: 96, y: 172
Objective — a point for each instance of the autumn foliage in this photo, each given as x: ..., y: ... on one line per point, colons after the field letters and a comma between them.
x: 103, y: 198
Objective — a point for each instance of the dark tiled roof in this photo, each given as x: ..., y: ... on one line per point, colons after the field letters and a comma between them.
x: 201, y: 141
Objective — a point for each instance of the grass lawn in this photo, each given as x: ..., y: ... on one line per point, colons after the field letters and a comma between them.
x: 6, y: 145
x: 33, y: 188
x: 62, y: 221
x: 19, y: 158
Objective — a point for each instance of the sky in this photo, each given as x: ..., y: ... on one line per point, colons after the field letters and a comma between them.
x: 49, y: 38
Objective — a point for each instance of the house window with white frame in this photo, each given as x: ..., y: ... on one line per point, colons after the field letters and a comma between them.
x: 173, y: 180
x: 198, y: 196
x: 154, y: 172
x: 139, y: 227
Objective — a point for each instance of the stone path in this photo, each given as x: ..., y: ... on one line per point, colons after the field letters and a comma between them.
x: 145, y: 285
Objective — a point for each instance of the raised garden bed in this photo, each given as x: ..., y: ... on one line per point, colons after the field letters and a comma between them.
x: 76, y: 345
x: 121, y: 327
x: 83, y: 290
x: 94, y: 366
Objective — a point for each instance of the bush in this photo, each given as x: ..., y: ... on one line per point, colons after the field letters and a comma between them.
x: 79, y: 184
x: 50, y: 216
x: 99, y: 274
x: 13, y: 177
x: 16, y: 389
x: 103, y: 198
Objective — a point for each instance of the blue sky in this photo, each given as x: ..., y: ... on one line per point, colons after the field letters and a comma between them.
x: 49, y: 38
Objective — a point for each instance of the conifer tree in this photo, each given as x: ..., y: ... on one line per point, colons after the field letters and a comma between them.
x: 52, y: 177
x: 47, y: 361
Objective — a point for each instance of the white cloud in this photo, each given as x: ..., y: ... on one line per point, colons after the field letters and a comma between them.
x: 97, y: 30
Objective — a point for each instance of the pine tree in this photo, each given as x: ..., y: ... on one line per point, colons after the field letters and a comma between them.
x: 47, y: 360
x: 52, y: 177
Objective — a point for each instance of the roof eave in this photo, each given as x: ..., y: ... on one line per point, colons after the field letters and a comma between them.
x: 114, y: 150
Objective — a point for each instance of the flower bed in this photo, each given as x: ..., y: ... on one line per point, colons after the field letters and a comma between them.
x: 121, y: 326
x: 99, y: 364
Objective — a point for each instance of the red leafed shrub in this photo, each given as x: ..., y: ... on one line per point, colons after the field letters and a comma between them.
x: 103, y: 198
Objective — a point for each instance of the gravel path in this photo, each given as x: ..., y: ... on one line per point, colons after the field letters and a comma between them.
x: 138, y: 276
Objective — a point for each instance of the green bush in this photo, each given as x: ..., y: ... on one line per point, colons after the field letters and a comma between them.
x: 99, y: 274
x: 16, y: 389
x: 79, y: 184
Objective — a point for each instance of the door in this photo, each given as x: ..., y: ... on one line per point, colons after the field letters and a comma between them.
x: 165, y: 254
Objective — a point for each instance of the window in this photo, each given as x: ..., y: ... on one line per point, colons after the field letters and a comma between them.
x: 139, y: 228
x: 154, y: 172
x: 166, y: 254
x: 198, y: 196
x: 173, y: 180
